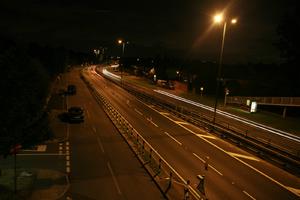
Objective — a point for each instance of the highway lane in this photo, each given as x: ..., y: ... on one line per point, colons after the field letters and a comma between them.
x: 260, y: 132
x: 239, y: 180
x: 101, y: 165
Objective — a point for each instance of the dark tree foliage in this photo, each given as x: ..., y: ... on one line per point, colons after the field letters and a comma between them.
x: 289, y: 41
x: 24, y: 86
x: 26, y: 74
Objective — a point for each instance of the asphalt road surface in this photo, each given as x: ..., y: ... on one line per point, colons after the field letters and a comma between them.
x: 101, y: 164
x: 232, y: 173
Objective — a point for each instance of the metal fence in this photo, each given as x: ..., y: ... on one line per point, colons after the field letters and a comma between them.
x: 170, y: 182
x: 278, y: 101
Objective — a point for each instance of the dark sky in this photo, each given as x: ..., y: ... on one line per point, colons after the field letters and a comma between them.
x: 184, y: 26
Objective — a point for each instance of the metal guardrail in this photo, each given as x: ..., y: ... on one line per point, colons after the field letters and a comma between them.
x: 266, y: 149
x: 171, y: 184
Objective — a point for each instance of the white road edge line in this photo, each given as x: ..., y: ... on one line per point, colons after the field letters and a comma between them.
x: 114, y: 178
x: 173, y: 138
x: 246, y: 193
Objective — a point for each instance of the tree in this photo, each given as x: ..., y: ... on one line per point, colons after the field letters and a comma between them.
x: 288, y: 44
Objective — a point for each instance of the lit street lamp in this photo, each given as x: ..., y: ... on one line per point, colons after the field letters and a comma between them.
x: 123, y: 52
x: 201, y: 91
x: 220, y: 19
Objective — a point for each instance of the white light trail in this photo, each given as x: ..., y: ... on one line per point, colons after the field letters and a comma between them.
x: 240, y: 119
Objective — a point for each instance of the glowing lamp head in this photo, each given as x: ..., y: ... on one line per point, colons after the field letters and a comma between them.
x: 218, y: 18
x: 120, y: 41
x: 234, y: 21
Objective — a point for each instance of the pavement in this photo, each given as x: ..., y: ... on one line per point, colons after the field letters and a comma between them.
x: 40, y: 170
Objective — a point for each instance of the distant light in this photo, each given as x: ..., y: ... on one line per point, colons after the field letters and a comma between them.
x: 202, y: 88
x: 218, y: 18
x: 177, y: 72
x: 120, y: 41
x: 234, y: 21
x: 248, y: 102
x: 253, y: 107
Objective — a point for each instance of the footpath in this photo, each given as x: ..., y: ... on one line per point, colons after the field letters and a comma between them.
x: 39, y: 172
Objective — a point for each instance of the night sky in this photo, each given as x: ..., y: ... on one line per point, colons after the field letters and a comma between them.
x: 181, y: 26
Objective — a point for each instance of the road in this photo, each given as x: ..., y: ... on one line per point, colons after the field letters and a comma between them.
x: 232, y: 172
x: 284, y: 141
x: 101, y: 165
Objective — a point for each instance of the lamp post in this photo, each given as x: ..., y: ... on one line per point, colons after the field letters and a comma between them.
x: 123, y: 53
x: 225, y: 96
x: 201, y: 91
x: 219, y: 19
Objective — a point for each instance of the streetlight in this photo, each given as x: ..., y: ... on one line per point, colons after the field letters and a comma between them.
x: 201, y: 90
x: 219, y: 18
x: 123, y: 52
x: 225, y: 96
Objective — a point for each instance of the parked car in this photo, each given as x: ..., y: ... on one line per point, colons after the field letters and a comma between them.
x: 75, y: 114
x: 71, y: 89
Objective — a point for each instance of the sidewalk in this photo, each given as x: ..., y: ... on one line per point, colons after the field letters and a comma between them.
x: 37, y: 178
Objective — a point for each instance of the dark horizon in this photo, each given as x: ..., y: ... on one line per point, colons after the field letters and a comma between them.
x: 183, y: 29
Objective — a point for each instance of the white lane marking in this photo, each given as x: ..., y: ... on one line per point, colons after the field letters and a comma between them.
x: 40, y: 154
x: 67, y: 163
x: 173, y: 138
x: 94, y: 129
x: 246, y: 193
x: 150, y: 120
x: 60, y: 152
x: 154, y: 123
x: 199, y: 157
x: 219, y: 148
x: 114, y: 178
x: 243, y: 156
x: 67, y: 143
x: 60, y: 148
x: 68, y: 169
x: 215, y: 170
x: 100, y: 144
x: 67, y: 152
x: 136, y: 110
x: 60, y: 144
x: 67, y: 157
x: 67, y: 148
x: 208, y: 165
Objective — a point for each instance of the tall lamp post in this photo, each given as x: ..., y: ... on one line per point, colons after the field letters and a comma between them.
x: 220, y: 19
x: 123, y: 53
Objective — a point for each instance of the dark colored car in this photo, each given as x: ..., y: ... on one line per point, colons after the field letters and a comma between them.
x: 71, y: 89
x: 75, y: 114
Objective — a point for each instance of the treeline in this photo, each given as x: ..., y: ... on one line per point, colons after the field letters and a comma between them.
x: 251, y: 79
x: 27, y: 71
